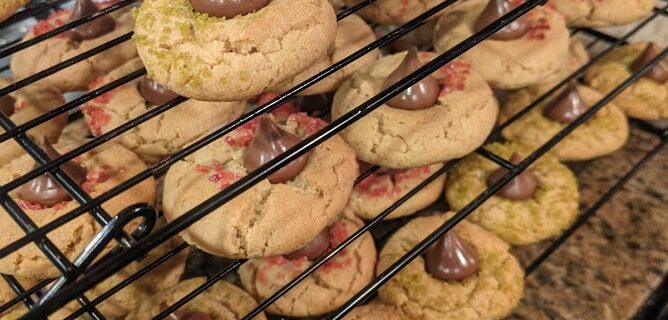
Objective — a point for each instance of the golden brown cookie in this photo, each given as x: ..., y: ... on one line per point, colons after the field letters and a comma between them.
x: 223, y: 301
x: 324, y: 290
x: 247, y: 226
x: 550, y: 210
x: 9, y: 7
x: 459, y: 122
x: 29, y: 103
x: 508, y: 64
x: 605, y: 132
x: 375, y: 311
x: 106, y: 167
x: 602, y: 13
x: 396, y: 12
x: 577, y: 57
x: 60, y: 48
x: 382, y: 188
x: 75, y: 133
x: 162, y: 135
x: 644, y: 99
x: 352, y: 34
x: 218, y: 59
x: 491, y: 293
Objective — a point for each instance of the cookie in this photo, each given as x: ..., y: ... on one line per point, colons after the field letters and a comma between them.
x: 375, y: 311
x: 75, y: 134
x: 458, y: 120
x: 24, y: 105
x: 163, y: 135
x: 67, y: 45
x: 327, y: 288
x: 577, y: 57
x: 490, y: 293
x: 605, y: 132
x: 396, y: 12
x: 381, y: 189
x: 223, y: 301
x: 218, y: 59
x: 9, y: 7
x: 301, y: 203
x: 103, y: 168
x: 546, y: 212
x: 19, y: 309
x: 508, y: 61
x: 352, y: 34
x: 602, y: 13
x: 646, y: 98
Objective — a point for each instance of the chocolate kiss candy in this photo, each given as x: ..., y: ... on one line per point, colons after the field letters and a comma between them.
x: 315, y: 105
x: 269, y: 142
x: 567, y: 107
x: 421, y: 95
x: 7, y: 105
x: 154, y: 93
x: 496, y: 9
x: 450, y: 258
x: 522, y: 187
x: 45, y: 191
x: 93, y: 29
x: 228, y: 8
x: 188, y: 315
x: 314, y: 249
x: 659, y: 71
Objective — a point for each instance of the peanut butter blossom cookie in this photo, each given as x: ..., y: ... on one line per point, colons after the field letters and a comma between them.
x: 9, y: 7
x: 375, y: 311
x: 646, y: 98
x: 527, y: 51
x: 75, y: 42
x: 535, y: 205
x: 44, y: 200
x: 328, y: 287
x: 352, y: 34
x: 602, y: 13
x: 444, y: 116
x: 381, y: 189
x: 231, y: 50
x: 605, y: 132
x: 278, y: 215
x: 467, y: 274
x: 164, y: 134
x: 223, y: 301
x: 24, y: 105
x: 396, y: 12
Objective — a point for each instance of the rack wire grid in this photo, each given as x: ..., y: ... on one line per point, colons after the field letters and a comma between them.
x: 82, y: 274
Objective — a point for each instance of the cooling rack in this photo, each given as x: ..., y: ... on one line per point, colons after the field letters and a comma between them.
x: 80, y: 275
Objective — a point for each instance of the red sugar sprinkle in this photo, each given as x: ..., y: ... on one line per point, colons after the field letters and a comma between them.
x: 311, y: 125
x: 55, y: 20
x: 222, y: 177
x: 374, y: 185
x: 20, y: 106
x: 96, y: 118
x: 537, y: 28
x: 27, y: 205
x: 282, y: 112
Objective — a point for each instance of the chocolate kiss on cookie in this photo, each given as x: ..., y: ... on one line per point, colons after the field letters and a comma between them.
x: 154, y: 93
x: 188, y: 315
x: 421, y: 95
x: 314, y: 249
x: 7, y: 105
x: 659, y: 71
x: 567, y: 107
x: 316, y: 105
x: 228, y: 8
x: 93, y: 29
x: 496, y: 9
x: 522, y: 187
x: 269, y: 142
x: 450, y: 258
x: 44, y: 190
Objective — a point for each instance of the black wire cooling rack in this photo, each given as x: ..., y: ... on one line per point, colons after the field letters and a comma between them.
x: 82, y: 274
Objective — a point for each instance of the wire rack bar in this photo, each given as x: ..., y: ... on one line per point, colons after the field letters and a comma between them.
x: 22, y: 295
x: 28, y: 12
x: 18, y: 288
x: 495, y: 158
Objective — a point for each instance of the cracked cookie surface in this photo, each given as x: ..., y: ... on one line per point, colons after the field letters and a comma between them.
x: 553, y: 207
x: 222, y: 301
x: 644, y: 99
x: 602, y: 13
x: 324, y: 290
x: 513, y: 64
x: 491, y: 293
x: 246, y: 226
x: 459, y: 122
x: 163, y: 135
x: 107, y: 166
x: 375, y: 311
x: 216, y: 59
x: 60, y: 48
x: 605, y: 132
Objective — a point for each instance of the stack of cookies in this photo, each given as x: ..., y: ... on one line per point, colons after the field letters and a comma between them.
x: 208, y: 62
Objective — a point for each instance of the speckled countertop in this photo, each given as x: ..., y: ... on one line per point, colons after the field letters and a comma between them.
x: 610, y: 265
